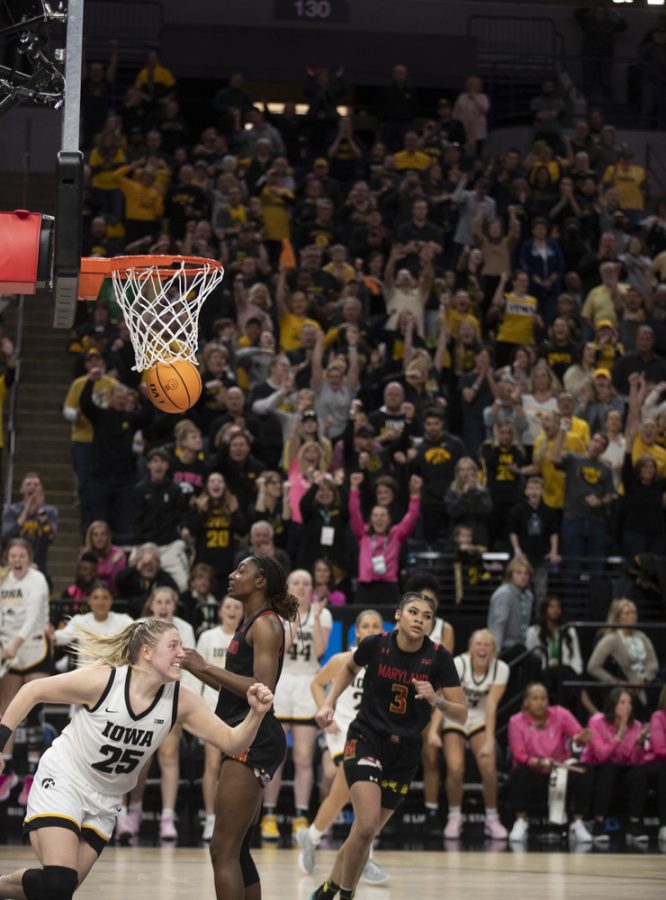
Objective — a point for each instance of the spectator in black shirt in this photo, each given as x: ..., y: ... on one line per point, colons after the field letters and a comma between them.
x: 233, y: 97
x: 643, y: 359
x: 239, y: 467
x: 346, y: 154
x: 398, y: 108
x: 144, y: 573
x: 644, y: 525
x: 322, y: 231
x: 435, y: 463
x: 112, y: 480
x: 502, y: 459
x: 184, y: 202
x: 187, y: 466
x: 416, y: 233
x: 159, y: 516
x: 451, y: 131
x: 533, y: 532
x: 559, y: 351
x: 264, y: 398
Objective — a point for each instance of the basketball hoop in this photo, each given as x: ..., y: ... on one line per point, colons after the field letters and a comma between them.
x: 161, y: 298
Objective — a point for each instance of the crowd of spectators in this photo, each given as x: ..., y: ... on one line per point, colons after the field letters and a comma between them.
x: 414, y: 339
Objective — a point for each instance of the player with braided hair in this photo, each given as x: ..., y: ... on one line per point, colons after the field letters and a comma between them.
x: 259, y: 582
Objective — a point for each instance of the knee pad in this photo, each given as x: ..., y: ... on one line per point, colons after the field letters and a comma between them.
x: 50, y: 883
x: 248, y: 868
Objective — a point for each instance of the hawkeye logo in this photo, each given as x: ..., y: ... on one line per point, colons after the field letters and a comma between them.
x: 437, y: 456
x: 590, y: 474
x: 48, y: 783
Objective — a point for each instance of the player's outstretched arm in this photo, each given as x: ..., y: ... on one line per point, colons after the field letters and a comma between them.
x: 195, y: 716
x: 83, y: 686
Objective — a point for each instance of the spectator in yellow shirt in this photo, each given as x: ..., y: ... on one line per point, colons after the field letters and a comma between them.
x: 410, y: 157
x: 566, y: 405
x: 542, y: 464
x: 292, y: 314
x: 516, y: 312
x: 629, y: 179
x: 144, y: 203
x: 154, y: 79
x: 605, y: 300
x: 82, y: 432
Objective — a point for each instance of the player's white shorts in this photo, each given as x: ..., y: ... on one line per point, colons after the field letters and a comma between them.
x: 29, y: 655
x: 476, y: 722
x: 293, y: 700
x: 336, y: 744
x: 59, y: 798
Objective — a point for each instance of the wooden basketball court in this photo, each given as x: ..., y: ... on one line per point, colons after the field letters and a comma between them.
x: 128, y: 873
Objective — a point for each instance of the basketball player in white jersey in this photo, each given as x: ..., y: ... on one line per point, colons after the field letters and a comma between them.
x: 25, y: 652
x: 127, y: 707
x: 212, y: 646
x: 483, y: 678
x: 368, y: 622
x: 306, y: 640
x: 161, y: 604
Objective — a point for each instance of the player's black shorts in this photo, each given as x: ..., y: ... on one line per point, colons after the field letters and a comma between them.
x: 267, y: 752
x: 386, y: 760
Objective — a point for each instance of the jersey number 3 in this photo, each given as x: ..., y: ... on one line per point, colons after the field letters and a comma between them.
x: 118, y: 761
x: 400, y: 693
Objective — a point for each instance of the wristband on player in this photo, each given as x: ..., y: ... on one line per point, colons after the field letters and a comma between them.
x: 5, y: 734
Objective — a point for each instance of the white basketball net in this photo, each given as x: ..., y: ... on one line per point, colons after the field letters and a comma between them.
x: 162, y: 308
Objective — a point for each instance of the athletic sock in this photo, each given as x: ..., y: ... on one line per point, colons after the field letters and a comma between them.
x: 301, y: 812
x: 136, y: 807
x: 491, y: 812
x: 454, y: 811
x: 433, y: 806
x: 315, y: 834
x: 167, y: 813
x: 326, y: 891
x: 269, y: 809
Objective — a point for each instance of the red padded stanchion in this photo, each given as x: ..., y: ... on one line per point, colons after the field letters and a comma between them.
x: 19, y: 251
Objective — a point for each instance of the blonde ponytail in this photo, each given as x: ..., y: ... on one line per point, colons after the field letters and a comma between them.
x: 123, y: 648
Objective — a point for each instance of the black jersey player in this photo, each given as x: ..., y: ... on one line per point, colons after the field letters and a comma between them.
x: 406, y: 674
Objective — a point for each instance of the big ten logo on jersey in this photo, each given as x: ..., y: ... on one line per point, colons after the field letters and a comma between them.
x: 590, y: 474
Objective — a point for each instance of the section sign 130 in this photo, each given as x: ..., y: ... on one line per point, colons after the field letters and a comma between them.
x: 320, y: 11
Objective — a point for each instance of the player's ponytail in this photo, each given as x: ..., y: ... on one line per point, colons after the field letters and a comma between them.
x: 123, y: 648
x: 277, y: 595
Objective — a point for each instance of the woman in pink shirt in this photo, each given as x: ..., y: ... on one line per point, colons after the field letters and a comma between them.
x: 616, y: 752
x: 655, y: 760
x: 110, y: 559
x: 380, y: 543
x: 538, y: 739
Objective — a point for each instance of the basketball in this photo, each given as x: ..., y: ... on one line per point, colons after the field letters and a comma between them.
x: 173, y: 386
